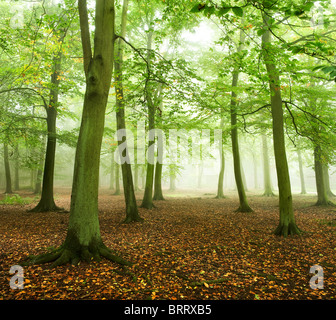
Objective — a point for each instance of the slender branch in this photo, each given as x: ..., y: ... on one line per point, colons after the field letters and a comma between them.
x: 85, y: 34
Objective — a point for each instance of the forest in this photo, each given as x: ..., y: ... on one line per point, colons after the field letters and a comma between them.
x: 167, y: 150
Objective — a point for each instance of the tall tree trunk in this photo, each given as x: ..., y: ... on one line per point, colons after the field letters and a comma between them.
x: 220, y: 187
x: 147, y: 201
x: 302, y: 179
x: 112, y: 173
x: 136, y: 177
x: 158, y: 195
x: 47, y: 202
x: 132, y: 213
x: 16, y: 168
x: 287, y: 225
x: 117, y: 179
x: 172, y: 179
x: 268, y: 190
x: 9, y: 188
x: 327, y: 180
x: 83, y: 240
x: 243, y: 204
x: 322, y: 195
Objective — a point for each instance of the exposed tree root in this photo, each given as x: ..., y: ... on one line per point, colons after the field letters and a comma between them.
x: 130, y: 219
x: 287, y: 230
x: 64, y: 255
x: 244, y: 208
x: 325, y: 203
x: 43, y: 207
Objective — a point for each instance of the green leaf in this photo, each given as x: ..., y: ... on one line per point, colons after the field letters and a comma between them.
x: 238, y: 11
x: 198, y: 8
x: 223, y: 11
x: 260, y: 32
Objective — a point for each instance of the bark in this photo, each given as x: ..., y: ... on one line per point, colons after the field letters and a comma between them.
x: 243, y: 203
x: 132, y: 213
x: 327, y: 180
x: 47, y: 202
x: 147, y: 201
x: 268, y: 190
x: 117, y: 179
x: 302, y: 179
x: 112, y: 173
x: 287, y: 225
x: 220, y: 187
x: 16, y: 168
x: 322, y: 195
x: 172, y: 179
x: 83, y: 240
x: 9, y: 188
x: 158, y: 195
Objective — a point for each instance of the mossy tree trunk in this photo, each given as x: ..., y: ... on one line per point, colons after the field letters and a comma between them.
x: 287, y: 225
x: 83, y: 240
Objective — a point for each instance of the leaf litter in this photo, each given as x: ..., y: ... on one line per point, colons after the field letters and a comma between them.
x: 186, y: 248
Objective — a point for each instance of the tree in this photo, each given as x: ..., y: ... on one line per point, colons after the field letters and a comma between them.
x: 287, y: 225
x: 83, y: 240
x: 132, y: 213
x: 243, y: 204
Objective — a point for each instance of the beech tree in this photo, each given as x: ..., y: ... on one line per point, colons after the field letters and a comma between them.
x: 83, y: 240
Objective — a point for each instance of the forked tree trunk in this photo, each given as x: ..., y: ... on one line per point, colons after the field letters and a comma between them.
x: 287, y: 225
x: 83, y: 240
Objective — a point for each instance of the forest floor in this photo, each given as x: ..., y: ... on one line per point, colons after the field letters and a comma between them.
x: 188, y: 247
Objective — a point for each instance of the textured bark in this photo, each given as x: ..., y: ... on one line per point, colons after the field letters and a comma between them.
x: 83, y: 240
x: 287, y: 225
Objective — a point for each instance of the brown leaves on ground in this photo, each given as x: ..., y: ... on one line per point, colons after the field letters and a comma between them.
x: 187, y: 248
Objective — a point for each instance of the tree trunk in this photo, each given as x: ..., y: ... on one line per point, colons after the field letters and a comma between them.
x: 220, y: 187
x: 322, y: 195
x: 327, y: 180
x: 7, y: 170
x: 268, y: 190
x: 243, y: 204
x: 136, y: 177
x: 112, y: 173
x: 172, y: 179
x: 302, y: 179
x: 47, y: 202
x: 16, y: 168
x: 158, y: 195
x: 117, y: 179
x: 287, y: 225
x: 132, y: 213
x: 147, y: 201
x: 83, y: 240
